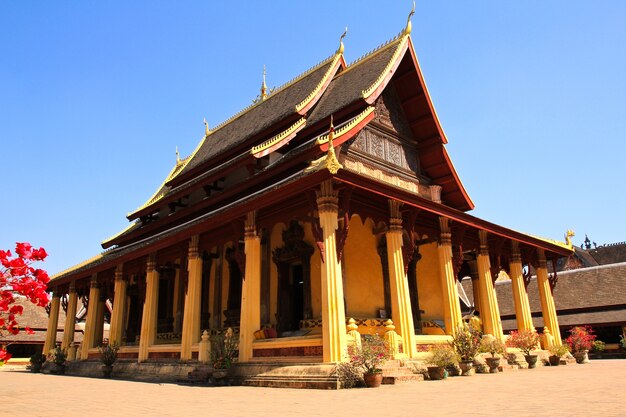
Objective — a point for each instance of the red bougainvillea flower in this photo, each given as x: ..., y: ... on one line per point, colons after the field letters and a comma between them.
x: 24, y: 250
x: 19, y: 278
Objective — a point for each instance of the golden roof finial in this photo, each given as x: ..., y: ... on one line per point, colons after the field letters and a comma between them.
x: 568, y: 237
x: 207, y: 131
x: 409, y: 26
x: 341, y: 47
x: 177, y: 156
x: 332, y: 163
x: 263, y: 86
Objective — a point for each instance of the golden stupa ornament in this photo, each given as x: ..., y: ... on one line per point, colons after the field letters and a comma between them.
x: 341, y: 47
x: 332, y: 163
x: 177, y: 156
x: 263, y: 86
x: 409, y: 26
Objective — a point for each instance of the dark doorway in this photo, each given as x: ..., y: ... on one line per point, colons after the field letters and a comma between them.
x: 293, y: 262
x: 291, y: 298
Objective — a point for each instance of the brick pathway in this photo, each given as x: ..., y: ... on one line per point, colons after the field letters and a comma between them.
x: 596, y: 389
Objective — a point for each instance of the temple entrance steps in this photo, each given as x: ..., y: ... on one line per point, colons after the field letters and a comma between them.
x: 395, y: 372
x: 309, y: 375
x: 149, y: 371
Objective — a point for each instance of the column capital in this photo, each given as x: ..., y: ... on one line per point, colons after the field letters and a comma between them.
x: 484, y: 245
x: 151, y: 263
x: 250, y: 225
x: 435, y: 193
x: 445, y: 238
x: 327, y: 198
x: 515, y: 252
x: 193, y: 250
x: 395, y: 217
x: 541, y: 258
x: 56, y: 293
x: 93, y: 282
x: 119, y: 272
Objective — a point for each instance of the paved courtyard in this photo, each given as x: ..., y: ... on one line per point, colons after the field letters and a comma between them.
x: 595, y: 389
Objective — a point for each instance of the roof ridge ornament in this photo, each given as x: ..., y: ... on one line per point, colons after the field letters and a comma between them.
x: 332, y: 164
x: 263, y: 86
x: 341, y: 47
x: 207, y: 131
x: 409, y: 27
x: 177, y: 156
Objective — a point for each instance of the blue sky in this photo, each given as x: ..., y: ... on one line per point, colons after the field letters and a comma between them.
x: 95, y: 96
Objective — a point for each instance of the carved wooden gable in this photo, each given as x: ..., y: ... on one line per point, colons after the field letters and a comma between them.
x: 389, y: 113
x: 387, y: 141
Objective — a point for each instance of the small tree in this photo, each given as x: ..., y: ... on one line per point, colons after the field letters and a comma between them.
x: 371, y: 355
x: 466, y: 343
x: 580, y: 339
x: 524, y: 340
x: 18, y: 277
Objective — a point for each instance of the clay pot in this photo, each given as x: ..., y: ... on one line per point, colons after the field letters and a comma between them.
x: 531, y: 360
x: 582, y: 357
x: 373, y: 380
x: 467, y: 368
x: 493, y: 364
x: 436, y: 373
x: 555, y: 360
x: 107, y: 370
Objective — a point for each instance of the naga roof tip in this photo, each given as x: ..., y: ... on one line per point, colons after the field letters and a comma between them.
x: 409, y: 26
x: 341, y: 47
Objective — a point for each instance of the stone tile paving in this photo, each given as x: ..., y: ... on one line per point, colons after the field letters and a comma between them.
x: 595, y: 389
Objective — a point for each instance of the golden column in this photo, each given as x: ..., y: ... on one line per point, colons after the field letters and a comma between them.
x: 250, y: 319
x: 116, y: 329
x: 53, y: 322
x: 90, y: 323
x: 70, y: 319
x: 488, y: 301
x: 150, y: 305
x: 451, y: 305
x: 520, y: 296
x: 548, y: 310
x: 402, y: 315
x: 333, y: 310
x: 191, y: 315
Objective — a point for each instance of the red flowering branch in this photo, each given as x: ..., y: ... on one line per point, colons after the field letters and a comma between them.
x: 18, y: 277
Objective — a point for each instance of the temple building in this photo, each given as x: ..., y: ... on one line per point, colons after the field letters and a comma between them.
x: 322, y: 211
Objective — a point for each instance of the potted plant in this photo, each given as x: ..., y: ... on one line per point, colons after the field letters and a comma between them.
x: 370, y: 357
x: 223, y: 352
x: 490, y: 344
x: 57, y: 356
x: 36, y: 362
x: 526, y: 341
x: 466, y: 343
x: 622, y: 341
x: 440, y: 358
x: 580, y: 341
x: 108, y: 357
x: 597, y: 347
x: 556, y: 353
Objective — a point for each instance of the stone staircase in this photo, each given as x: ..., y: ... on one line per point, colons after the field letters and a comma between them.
x: 292, y: 375
x: 394, y: 372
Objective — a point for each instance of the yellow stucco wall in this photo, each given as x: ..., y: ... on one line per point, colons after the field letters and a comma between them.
x: 363, y: 280
x: 429, y: 283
